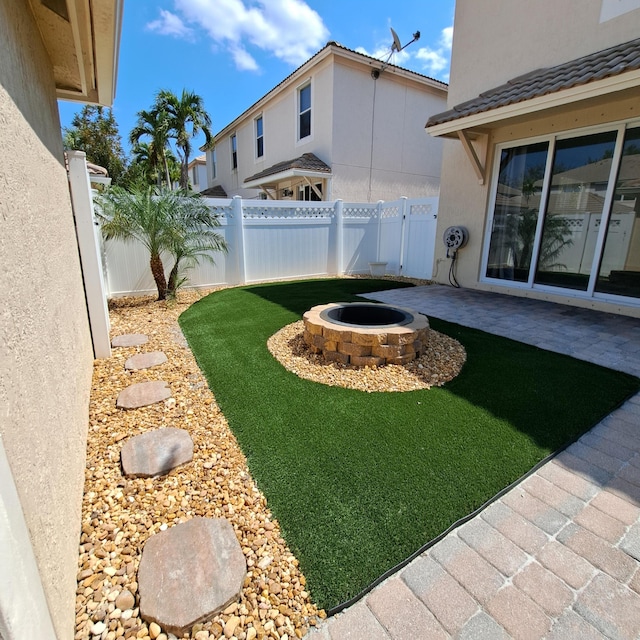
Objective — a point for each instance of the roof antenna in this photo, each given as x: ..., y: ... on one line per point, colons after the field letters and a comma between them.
x: 395, y: 47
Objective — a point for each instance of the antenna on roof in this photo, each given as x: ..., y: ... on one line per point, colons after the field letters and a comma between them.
x: 395, y: 47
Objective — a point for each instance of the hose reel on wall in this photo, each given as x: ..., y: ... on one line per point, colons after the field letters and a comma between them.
x: 454, y: 238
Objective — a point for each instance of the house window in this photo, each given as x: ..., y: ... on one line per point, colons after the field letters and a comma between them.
x: 306, y: 192
x: 566, y: 214
x: 259, y: 138
x: 214, y: 163
x: 194, y: 175
x: 304, y: 112
x: 234, y: 152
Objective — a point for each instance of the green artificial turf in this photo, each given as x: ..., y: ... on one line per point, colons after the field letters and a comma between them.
x: 359, y: 481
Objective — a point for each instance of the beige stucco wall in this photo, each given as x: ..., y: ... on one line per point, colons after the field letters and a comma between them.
x: 403, y: 161
x: 496, y: 40
x: 45, y: 345
x: 532, y: 41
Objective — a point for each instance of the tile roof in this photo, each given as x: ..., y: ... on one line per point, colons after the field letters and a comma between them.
x: 307, y: 162
x: 596, y: 66
x: 332, y: 44
x: 214, y: 192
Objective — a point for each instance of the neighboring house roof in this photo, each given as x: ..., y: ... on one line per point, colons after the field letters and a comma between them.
x: 306, y: 164
x: 331, y: 47
x: 197, y: 160
x: 608, y: 63
x: 214, y: 192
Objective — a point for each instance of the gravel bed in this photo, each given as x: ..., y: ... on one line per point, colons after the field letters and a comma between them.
x: 119, y: 514
x: 441, y: 362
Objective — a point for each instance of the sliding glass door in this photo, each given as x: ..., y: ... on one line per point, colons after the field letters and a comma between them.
x: 550, y: 202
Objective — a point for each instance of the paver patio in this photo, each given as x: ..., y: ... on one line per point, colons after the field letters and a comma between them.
x: 558, y: 556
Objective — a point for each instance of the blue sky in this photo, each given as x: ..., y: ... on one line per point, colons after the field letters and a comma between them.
x: 232, y: 52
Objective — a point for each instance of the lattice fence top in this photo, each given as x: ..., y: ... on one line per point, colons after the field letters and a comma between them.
x: 390, y: 212
x: 360, y: 211
x: 421, y: 209
x: 270, y: 213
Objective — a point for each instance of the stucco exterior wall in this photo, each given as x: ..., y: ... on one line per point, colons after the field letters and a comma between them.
x: 496, y: 40
x: 45, y: 343
x: 388, y: 113
x: 281, y: 142
x: 523, y: 40
x: 403, y: 160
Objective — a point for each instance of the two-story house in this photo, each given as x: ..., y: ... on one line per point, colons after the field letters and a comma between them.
x: 343, y: 125
x: 544, y: 105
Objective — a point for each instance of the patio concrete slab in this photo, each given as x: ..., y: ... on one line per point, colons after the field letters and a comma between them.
x: 569, y: 533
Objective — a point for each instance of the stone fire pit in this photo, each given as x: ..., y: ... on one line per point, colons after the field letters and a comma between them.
x: 366, y: 334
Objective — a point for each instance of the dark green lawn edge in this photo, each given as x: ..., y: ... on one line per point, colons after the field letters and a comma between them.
x: 285, y: 303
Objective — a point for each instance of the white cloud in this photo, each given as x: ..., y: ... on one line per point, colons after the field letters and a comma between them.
x: 446, y: 39
x: 436, y: 59
x: 169, y: 24
x: 432, y: 60
x: 287, y: 29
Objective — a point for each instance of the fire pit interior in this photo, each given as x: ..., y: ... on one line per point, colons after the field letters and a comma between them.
x: 366, y: 334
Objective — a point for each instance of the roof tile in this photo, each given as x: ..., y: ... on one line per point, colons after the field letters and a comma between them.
x: 596, y: 66
x: 307, y: 161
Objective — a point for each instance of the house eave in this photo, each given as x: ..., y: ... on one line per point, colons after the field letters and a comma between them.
x: 299, y: 74
x: 493, y: 118
x: 275, y: 178
x: 83, y: 47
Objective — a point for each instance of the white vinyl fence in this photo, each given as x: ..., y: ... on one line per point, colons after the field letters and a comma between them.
x: 293, y: 239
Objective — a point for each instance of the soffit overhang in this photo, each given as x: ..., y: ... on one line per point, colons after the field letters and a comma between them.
x: 82, y: 38
x: 612, y: 88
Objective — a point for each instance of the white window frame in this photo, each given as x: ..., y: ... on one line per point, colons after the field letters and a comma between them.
x: 214, y: 163
x: 620, y: 127
x: 258, y: 137
x: 233, y: 146
x: 299, y: 140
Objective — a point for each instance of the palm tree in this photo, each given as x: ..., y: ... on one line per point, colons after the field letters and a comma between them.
x: 143, y: 154
x: 187, y: 117
x: 154, y: 124
x: 174, y: 222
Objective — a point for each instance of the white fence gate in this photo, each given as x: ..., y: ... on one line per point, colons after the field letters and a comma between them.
x: 292, y: 239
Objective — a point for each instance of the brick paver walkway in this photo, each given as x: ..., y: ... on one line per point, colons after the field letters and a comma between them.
x: 556, y: 557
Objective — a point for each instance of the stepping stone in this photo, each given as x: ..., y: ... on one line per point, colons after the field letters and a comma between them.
x: 189, y: 573
x: 129, y: 340
x: 156, y: 452
x: 142, y: 394
x: 145, y: 360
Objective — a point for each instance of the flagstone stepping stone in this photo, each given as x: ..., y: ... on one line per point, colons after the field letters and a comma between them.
x: 156, y: 452
x: 189, y: 573
x: 145, y: 360
x: 129, y: 340
x: 142, y: 394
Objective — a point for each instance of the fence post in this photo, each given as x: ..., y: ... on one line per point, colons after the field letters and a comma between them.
x: 241, y: 267
x: 90, y: 254
x: 403, y: 210
x: 339, y: 211
x: 379, y: 216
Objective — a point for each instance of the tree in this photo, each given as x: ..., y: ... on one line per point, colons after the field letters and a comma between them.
x: 154, y: 124
x: 187, y: 117
x: 175, y: 222
x: 94, y: 130
x: 143, y: 168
